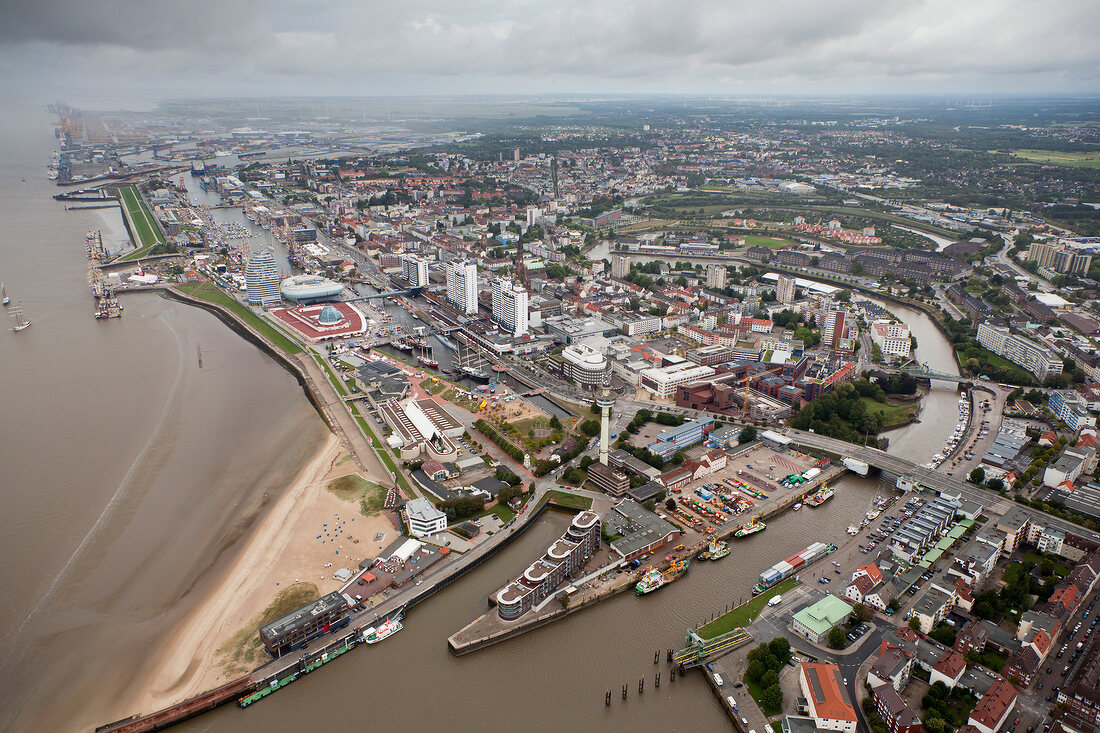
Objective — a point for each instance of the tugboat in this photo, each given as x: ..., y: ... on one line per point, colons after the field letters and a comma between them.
x: 751, y: 528
x: 654, y: 579
x: 716, y: 550
x: 387, y: 629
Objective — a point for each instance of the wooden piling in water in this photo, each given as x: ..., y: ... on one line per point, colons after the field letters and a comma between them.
x: 624, y: 692
x: 657, y: 656
x: 641, y: 685
x: 657, y: 680
x: 607, y: 698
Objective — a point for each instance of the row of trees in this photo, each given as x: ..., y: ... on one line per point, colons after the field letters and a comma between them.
x: 839, y: 414
x: 765, y: 662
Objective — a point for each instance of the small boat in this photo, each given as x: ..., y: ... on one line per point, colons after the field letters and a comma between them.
x: 387, y: 629
x: 716, y: 550
x: 21, y: 322
x: 853, y: 530
x: 751, y: 528
x: 4, y: 294
x: 797, y: 507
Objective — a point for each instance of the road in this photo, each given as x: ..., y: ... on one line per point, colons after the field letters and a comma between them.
x: 926, y: 477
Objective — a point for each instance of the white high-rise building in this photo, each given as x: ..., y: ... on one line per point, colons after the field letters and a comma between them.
x: 833, y: 328
x: 620, y: 266
x: 510, y: 306
x: 785, y: 289
x: 262, y: 278
x: 415, y: 269
x: 716, y: 276
x: 462, y: 286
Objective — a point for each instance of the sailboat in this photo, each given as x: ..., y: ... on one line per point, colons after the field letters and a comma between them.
x: 21, y: 323
x: 4, y: 294
x: 427, y: 358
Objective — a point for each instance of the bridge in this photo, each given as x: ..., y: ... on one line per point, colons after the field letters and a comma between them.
x: 387, y: 294
x: 921, y: 477
x: 923, y: 371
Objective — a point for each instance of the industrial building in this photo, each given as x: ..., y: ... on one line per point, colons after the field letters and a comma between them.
x: 640, y: 530
x: 663, y: 381
x: 681, y: 436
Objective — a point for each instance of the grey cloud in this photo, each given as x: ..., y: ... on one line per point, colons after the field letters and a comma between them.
x: 585, y: 45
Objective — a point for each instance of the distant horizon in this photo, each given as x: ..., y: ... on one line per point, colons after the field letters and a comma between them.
x: 328, y: 48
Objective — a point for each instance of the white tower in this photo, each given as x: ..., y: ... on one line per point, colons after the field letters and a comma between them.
x: 605, y: 401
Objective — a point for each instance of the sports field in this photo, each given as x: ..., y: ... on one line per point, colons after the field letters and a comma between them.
x: 1089, y: 159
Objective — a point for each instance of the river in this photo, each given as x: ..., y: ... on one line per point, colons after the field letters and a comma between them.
x: 131, y: 475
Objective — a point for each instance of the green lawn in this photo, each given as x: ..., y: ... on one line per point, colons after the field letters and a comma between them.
x: 213, y: 294
x: 744, y: 614
x: 992, y: 358
x: 1088, y: 159
x: 353, y: 487
x: 892, y: 414
x: 567, y: 501
x: 770, y: 242
x: 145, y: 226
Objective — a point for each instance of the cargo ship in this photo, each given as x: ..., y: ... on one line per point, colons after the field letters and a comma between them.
x: 654, y: 579
x: 792, y: 565
x: 751, y: 528
x: 716, y: 550
x: 821, y: 496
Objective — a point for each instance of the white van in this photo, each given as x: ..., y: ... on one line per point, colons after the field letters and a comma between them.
x: 717, y: 679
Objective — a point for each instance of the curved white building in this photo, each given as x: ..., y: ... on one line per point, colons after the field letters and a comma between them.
x: 585, y: 365
x: 261, y: 277
x: 304, y: 288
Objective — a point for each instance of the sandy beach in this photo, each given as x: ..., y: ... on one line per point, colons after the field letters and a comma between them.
x: 289, y: 545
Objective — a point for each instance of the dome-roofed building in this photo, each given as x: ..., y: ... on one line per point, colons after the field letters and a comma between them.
x: 307, y: 288
x: 329, y: 316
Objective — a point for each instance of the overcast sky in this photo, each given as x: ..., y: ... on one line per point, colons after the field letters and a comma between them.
x: 135, y: 49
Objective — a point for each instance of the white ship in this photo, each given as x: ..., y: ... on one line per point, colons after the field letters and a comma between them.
x: 21, y: 322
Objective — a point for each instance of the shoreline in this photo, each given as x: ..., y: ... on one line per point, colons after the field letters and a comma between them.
x: 273, y: 556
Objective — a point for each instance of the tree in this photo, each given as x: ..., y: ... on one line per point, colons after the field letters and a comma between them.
x: 781, y: 648
x: 747, y: 435
x: 755, y: 670
x: 914, y: 624
x: 977, y: 476
x: 591, y: 428
x: 555, y: 423
x: 836, y: 638
x: 772, y: 698
x: 862, y: 613
x: 995, y: 484
x: 769, y: 678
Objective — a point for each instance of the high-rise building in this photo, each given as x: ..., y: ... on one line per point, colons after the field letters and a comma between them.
x: 262, y: 278
x: 786, y: 289
x: 462, y: 286
x: 832, y: 330
x: 1059, y: 257
x: 510, y: 306
x: 620, y: 266
x: 414, y: 269
x: 716, y: 276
